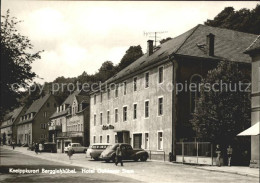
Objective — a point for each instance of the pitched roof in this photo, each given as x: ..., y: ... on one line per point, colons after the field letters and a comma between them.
x: 255, y: 46
x: 37, y: 104
x: 229, y: 45
x: 12, y: 115
x: 80, y: 96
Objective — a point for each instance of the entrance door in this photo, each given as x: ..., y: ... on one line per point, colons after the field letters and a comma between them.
x: 137, y: 143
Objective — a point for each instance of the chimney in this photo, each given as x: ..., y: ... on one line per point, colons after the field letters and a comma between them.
x: 150, y: 47
x: 210, y: 44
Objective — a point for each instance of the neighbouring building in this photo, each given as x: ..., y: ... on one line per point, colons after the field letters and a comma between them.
x: 254, y: 52
x: 9, y: 125
x: 143, y: 108
x: 33, y: 125
x: 70, y: 123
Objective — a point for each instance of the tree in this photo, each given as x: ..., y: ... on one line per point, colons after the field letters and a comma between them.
x: 221, y: 115
x: 243, y: 20
x: 165, y: 40
x: 131, y: 55
x: 16, y: 59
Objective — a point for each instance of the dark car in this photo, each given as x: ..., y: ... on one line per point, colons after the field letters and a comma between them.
x: 128, y: 153
x: 49, y: 147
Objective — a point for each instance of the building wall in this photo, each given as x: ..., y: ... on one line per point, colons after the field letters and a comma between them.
x: 42, y: 117
x: 255, y: 104
x: 24, y: 133
x: 8, y: 132
x: 151, y: 125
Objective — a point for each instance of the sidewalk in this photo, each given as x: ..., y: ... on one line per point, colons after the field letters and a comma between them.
x: 81, y: 161
x: 240, y: 170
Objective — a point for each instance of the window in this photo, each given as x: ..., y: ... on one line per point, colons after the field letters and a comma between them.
x: 108, y: 139
x: 194, y: 91
x: 160, y: 75
x: 55, y: 105
x: 116, y: 91
x: 82, y: 127
x: 146, y: 109
x: 135, y: 84
x: 146, y: 143
x: 125, y: 88
x: 101, y: 118
x: 108, y: 93
x: 160, y: 141
x: 116, y: 115
x: 125, y: 113
x: 95, y: 119
x: 100, y: 139
x: 95, y: 99
x: 147, y: 80
x: 108, y: 117
x: 48, y: 104
x: 94, y: 139
x: 135, y: 111
x: 101, y: 97
x: 160, y: 106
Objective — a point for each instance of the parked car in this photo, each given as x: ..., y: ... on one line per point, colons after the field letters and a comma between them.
x: 76, y: 148
x: 49, y: 147
x: 95, y: 150
x: 128, y: 153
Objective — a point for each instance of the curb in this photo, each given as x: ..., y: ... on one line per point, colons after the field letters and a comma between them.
x: 222, y: 171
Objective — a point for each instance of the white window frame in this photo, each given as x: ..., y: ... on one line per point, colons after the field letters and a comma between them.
x: 159, y: 74
x: 160, y: 131
x: 148, y: 109
x: 95, y: 99
x: 145, y: 80
x: 95, y: 119
x: 134, y: 84
x: 123, y: 113
x: 159, y: 106
x: 101, y: 119
x: 100, y: 139
x: 94, y: 139
x: 108, y: 116
x: 116, y: 91
x: 108, y: 138
x: 148, y: 142
x: 134, y: 111
x: 116, y: 115
x: 124, y: 88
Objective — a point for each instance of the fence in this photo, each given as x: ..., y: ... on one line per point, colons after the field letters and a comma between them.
x: 158, y: 155
x: 195, y: 153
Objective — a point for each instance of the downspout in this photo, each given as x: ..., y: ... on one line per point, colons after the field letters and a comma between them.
x: 174, y: 105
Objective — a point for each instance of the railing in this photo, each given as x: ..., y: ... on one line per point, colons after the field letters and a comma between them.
x: 55, y: 127
x: 156, y: 155
x: 194, y: 152
x: 70, y: 134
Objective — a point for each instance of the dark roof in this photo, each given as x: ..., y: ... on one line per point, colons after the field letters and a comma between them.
x: 13, y: 114
x: 37, y: 104
x: 35, y: 107
x: 255, y: 46
x: 80, y: 96
x: 229, y: 45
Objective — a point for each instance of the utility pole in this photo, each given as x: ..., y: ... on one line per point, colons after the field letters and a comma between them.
x: 154, y: 35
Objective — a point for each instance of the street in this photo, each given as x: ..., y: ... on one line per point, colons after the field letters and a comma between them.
x: 12, y: 159
x: 149, y: 171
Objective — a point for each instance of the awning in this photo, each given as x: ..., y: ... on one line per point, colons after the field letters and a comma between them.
x: 253, y: 130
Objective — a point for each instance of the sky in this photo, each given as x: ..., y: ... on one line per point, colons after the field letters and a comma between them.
x: 79, y: 36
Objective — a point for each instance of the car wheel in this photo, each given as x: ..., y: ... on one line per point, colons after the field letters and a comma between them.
x: 95, y: 159
x: 143, y: 158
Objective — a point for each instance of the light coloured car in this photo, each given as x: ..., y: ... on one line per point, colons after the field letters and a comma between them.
x: 76, y: 148
x: 95, y: 150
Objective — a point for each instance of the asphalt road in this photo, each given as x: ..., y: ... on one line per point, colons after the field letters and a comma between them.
x: 11, y: 159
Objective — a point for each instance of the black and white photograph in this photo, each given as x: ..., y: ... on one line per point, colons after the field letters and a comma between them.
x: 130, y: 91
